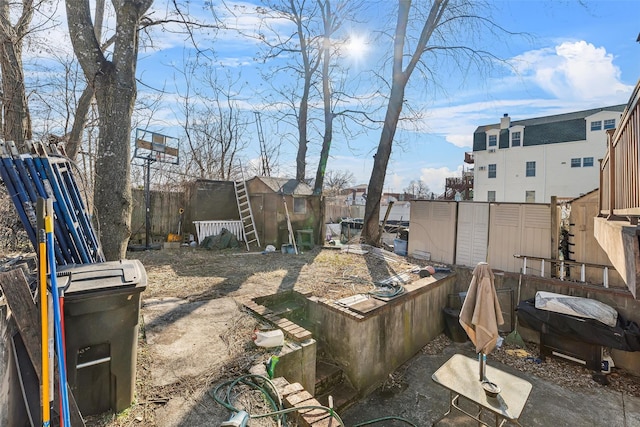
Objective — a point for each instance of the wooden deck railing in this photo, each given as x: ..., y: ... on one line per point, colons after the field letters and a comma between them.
x: 620, y: 168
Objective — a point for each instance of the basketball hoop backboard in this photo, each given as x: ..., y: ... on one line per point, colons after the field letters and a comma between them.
x: 156, y: 147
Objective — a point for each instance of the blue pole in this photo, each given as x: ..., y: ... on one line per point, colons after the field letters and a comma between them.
x: 57, y: 317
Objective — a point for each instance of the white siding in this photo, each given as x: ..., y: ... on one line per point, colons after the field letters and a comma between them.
x: 473, y: 233
x: 432, y: 229
x: 554, y: 174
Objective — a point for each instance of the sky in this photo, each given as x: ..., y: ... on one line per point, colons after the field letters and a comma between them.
x: 568, y: 56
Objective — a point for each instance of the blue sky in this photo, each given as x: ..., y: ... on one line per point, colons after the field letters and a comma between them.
x: 574, y: 57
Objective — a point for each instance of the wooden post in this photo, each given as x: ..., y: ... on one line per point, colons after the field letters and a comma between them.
x: 612, y: 177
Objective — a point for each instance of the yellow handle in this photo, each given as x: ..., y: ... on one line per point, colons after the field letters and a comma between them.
x: 44, y: 321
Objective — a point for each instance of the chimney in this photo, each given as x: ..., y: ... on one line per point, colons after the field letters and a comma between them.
x: 505, y: 121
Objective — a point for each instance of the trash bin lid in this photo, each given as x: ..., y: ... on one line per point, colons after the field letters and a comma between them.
x: 112, y: 275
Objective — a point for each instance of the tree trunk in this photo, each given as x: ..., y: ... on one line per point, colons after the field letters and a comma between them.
x: 371, y: 232
x: 301, y: 158
x: 74, y: 139
x: 112, y: 187
x: 326, y: 96
x: 115, y: 91
x: 17, y: 120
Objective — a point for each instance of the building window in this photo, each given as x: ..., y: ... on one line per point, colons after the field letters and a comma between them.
x: 492, y: 170
x: 610, y: 124
x: 299, y: 205
x: 531, y: 169
x: 575, y: 163
x: 530, y: 196
x: 597, y: 125
x: 491, y: 196
x: 587, y: 162
x: 493, y: 140
x: 515, y: 139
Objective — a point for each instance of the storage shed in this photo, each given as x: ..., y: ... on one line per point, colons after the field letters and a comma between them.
x: 268, y: 196
x: 209, y: 200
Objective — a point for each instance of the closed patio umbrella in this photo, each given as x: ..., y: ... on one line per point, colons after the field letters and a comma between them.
x: 481, y: 314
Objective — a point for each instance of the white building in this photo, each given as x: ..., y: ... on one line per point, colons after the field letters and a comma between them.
x: 534, y: 159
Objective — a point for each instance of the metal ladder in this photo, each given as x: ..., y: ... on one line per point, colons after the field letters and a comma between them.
x: 246, y: 214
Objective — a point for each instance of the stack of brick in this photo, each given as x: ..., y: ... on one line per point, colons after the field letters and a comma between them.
x: 290, y: 329
x: 294, y: 395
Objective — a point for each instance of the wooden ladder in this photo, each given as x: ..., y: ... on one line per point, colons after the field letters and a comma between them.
x: 246, y: 214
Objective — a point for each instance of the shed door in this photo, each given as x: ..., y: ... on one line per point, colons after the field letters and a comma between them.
x: 473, y: 233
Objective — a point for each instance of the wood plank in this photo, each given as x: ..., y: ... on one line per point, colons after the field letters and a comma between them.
x: 25, y: 312
x: 16, y: 290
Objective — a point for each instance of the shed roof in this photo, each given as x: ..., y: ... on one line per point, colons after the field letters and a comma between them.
x: 287, y: 186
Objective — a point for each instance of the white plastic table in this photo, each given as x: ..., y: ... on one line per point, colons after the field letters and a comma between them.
x: 459, y: 375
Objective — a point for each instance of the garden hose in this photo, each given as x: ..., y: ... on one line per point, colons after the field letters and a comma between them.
x: 278, y: 407
x: 377, y: 420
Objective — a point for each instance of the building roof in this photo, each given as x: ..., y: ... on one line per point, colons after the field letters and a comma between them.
x: 287, y: 186
x: 562, y: 127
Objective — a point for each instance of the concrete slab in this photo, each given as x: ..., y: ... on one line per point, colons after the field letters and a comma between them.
x: 423, y: 402
x: 184, y: 337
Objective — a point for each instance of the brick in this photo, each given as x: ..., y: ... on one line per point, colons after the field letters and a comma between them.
x: 296, y: 329
x: 284, y: 323
x: 280, y: 382
x: 262, y: 310
x: 295, y: 399
x: 291, y: 389
x: 310, y: 416
x: 272, y: 317
x: 310, y: 402
x: 326, y: 422
x: 303, y: 336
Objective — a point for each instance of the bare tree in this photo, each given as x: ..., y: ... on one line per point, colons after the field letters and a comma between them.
x: 214, y: 125
x: 302, y: 44
x: 417, y: 188
x: 16, y: 123
x: 74, y: 137
x: 442, y: 31
x: 331, y: 23
x: 114, y: 85
x: 336, y: 181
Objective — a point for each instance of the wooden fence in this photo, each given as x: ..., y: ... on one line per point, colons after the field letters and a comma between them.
x: 164, y: 214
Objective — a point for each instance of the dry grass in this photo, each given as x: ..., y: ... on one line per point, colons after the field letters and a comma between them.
x: 195, y: 274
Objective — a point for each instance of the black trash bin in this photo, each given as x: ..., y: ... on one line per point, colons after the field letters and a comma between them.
x: 101, y: 310
x: 453, y: 328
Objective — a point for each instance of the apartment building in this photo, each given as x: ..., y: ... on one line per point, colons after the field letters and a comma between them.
x: 531, y: 160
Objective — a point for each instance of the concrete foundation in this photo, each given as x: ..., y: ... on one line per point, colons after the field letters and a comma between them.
x: 370, y: 346
x: 620, y: 241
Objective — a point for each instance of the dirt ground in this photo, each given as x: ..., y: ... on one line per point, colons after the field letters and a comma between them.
x: 209, y: 279
x: 206, y: 280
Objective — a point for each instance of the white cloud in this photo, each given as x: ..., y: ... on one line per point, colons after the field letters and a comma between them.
x: 435, y: 177
x: 573, y: 71
x: 576, y: 76
x: 394, y: 182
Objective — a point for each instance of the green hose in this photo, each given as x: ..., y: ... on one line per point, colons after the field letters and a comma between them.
x: 278, y: 410
x: 377, y: 420
x: 245, y: 380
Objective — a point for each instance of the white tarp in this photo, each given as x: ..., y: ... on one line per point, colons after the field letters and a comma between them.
x: 577, y: 306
